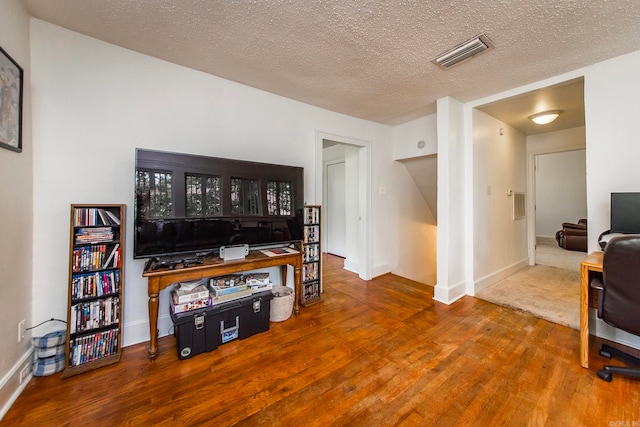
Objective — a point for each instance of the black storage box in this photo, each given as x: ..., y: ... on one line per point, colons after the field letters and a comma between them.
x: 193, y: 331
x: 206, y: 328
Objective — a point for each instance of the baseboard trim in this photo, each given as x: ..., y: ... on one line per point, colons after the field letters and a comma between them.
x: 138, y: 332
x: 351, y: 266
x: 12, y: 378
x: 380, y: 269
x: 495, y: 277
x: 449, y: 295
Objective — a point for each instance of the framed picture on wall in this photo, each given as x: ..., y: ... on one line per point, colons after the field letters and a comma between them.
x: 11, y: 76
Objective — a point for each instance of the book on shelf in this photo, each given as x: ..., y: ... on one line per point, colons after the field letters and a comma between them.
x: 91, y: 347
x: 114, y: 254
x: 113, y: 217
x: 94, y: 314
x: 181, y: 294
x: 311, y: 252
x: 311, y: 233
x: 191, y: 284
x: 311, y: 290
x: 226, y: 281
x: 218, y: 291
x: 312, y: 215
x: 260, y: 287
x: 88, y: 258
x: 310, y: 271
x: 233, y: 296
x: 191, y: 305
x: 95, y: 216
x: 88, y: 285
x: 252, y: 279
x: 94, y: 235
x: 258, y: 282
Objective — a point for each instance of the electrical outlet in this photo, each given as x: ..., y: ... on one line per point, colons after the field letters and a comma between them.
x: 21, y: 330
x: 24, y: 372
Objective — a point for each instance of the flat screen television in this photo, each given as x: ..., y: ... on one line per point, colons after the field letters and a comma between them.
x: 625, y: 213
x: 191, y: 205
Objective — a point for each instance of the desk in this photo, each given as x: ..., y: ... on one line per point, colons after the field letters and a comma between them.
x: 159, y: 279
x: 592, y: 263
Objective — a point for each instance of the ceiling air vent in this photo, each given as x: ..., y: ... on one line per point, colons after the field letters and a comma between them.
x: 463, y: 52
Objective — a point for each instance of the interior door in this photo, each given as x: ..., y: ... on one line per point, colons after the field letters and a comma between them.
x: 335, y: 228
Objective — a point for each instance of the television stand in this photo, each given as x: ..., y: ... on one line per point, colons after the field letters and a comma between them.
x: 158, y: 279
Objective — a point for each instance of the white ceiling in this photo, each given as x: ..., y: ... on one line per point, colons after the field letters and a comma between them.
x: 365, y: 58
x: 567, y: 97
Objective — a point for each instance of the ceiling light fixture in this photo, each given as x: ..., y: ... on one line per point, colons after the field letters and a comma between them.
x: 545, y: 117
x: 463, y: 51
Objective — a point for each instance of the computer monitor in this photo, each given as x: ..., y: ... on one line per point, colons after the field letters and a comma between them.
x: 625, y: 213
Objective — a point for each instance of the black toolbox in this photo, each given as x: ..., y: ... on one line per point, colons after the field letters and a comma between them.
x: 204, y: 329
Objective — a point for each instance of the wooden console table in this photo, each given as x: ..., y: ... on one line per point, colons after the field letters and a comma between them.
x: 161, y: 278
x: 592, y: 263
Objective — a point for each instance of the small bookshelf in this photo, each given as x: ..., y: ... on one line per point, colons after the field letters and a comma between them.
x: 96, y: 274
x: 311, y: 292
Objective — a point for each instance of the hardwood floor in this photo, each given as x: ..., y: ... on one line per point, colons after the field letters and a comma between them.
x: 377, y: 353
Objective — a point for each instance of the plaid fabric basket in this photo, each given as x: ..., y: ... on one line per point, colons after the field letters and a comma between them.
x: 49, y: 354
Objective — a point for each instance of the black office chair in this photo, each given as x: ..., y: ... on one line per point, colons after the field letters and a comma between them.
x: 619, y: 303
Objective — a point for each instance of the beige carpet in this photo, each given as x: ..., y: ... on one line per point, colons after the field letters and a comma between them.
x: 549, y: 253
x: 551, y: 292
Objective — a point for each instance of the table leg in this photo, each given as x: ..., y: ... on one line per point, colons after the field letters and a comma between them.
x: 297, y: 280
x: 153, y: 320
x: 584, y: 316
x: 283, y: 274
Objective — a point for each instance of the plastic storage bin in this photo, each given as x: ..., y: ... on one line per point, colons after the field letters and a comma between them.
x: 205, y: 329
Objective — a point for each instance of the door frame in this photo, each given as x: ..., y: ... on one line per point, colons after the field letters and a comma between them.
x: 531, y: 193
x: 364, y: 184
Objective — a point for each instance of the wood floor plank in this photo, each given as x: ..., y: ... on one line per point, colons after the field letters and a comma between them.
x: 373, y: 353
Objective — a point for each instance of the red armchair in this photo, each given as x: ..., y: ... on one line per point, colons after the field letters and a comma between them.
x: 573, y: 236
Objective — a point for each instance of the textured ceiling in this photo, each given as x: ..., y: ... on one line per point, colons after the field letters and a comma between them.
x: 365, y: 58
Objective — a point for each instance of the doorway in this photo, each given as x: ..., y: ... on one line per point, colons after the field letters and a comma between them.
x: 560, y: 196
x: 335, y: 224
x: 527, y: 288
x: 352, y: 219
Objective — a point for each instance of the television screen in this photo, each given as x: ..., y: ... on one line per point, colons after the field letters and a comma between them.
x: 625, y: 213
x: 190, y: 204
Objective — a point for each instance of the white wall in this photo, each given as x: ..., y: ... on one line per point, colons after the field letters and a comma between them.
x: 415, y: 189
x: 16, y: 217
x: 499, y: 166
x: 612, y: 110
x: 548, y: 143
x: 414, y: 254
x: 611, y: 94
x: 408, y: 135
x: 554, y: 142
x: 561, y: 190
x: 95, y: 102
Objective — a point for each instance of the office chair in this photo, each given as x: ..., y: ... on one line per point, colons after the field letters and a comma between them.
x: 619, y: 301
